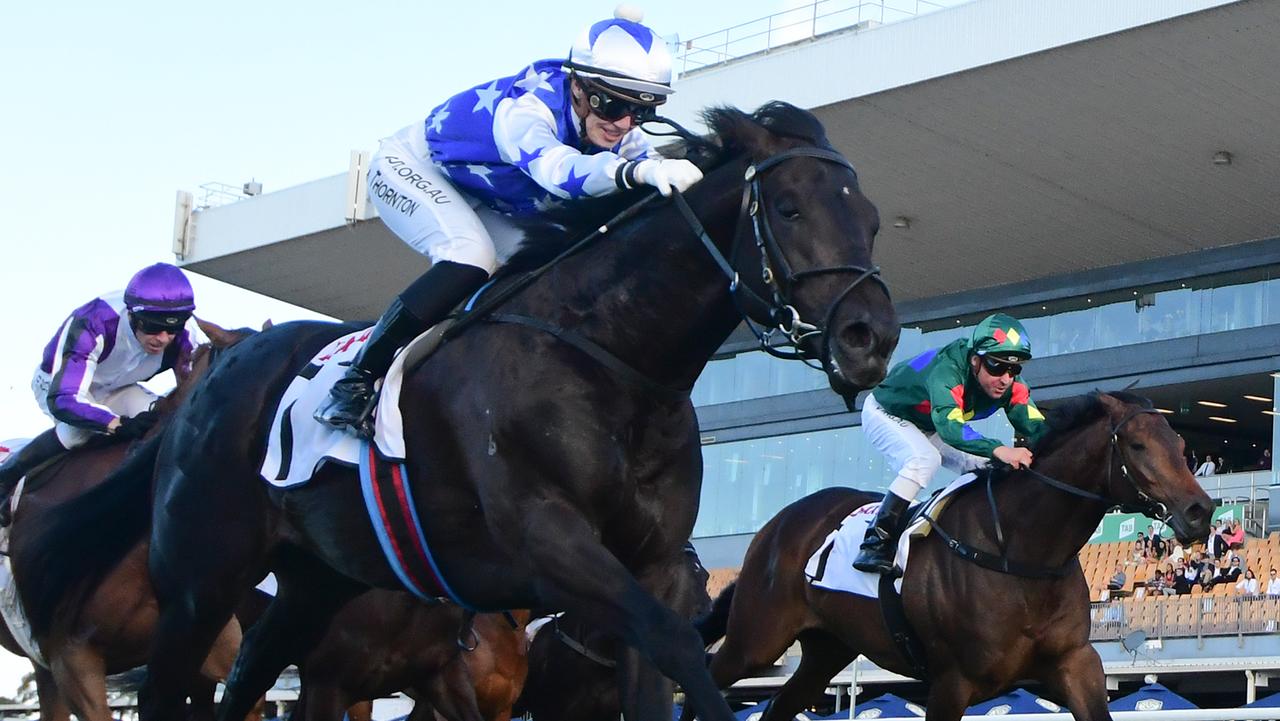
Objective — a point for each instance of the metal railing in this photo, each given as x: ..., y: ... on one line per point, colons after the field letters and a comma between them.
x: 789, y: 26
x: 1188, y: 616
x: 1250, y: 488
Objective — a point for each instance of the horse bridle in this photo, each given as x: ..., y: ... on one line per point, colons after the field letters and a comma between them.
x: 1147, y: 506
x: 783, y: 316
x: 780, y: 311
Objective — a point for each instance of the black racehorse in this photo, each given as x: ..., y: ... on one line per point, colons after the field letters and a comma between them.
x: 554, y: 451
x: 572, y: 672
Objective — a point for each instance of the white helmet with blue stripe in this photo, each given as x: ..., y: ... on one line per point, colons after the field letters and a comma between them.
x: 624, y: 56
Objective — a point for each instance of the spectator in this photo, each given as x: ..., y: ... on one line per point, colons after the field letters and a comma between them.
x: 1216, y: 544
x: 1176, y: 552
x: 1208, y: 468
x: 1193, y: 462
x: 1235, y: 536
x: 1210, y: 573
x: 1248, y: 585
x: 1139, y: 551
x: 1117, y: 581
x: 1264, y: 461
x: 1157, y: 545
x: 1158, y: 585
x: 1273, y: 585
x: 1184, y: 578
x: 1229, y: 574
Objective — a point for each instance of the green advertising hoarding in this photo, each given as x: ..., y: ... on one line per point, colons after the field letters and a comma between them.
x: 1126, y: 526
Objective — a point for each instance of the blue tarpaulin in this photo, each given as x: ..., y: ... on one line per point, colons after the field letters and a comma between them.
x: 1015, y: 701
x: 1152, y: 697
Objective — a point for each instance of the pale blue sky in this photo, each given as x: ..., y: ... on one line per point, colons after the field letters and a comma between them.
x: 110, y: 108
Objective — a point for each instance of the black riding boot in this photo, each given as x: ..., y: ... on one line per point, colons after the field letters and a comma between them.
x: 427, y: 301
x: 877, y: 550
x: 43, y: 447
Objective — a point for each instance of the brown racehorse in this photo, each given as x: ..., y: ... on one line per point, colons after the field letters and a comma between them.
x: 980, y: 630
x: 111, y: 631
x: 573, y: 672
x: 382, y: 642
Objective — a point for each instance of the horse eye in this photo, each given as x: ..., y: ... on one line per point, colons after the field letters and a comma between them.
x: 790, y: 213
x: 1138, y: 446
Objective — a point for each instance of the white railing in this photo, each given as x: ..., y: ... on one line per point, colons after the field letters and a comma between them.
x: 215, y: 194
x: 789, y: 26
x: 1251, y: 488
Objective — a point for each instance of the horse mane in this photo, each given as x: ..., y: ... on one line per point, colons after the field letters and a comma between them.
x: 1068, y: 415
x: 550, y: 233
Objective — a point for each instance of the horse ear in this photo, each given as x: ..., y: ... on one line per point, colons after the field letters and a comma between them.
x: 218, y: 336
x: 1114, y: 406
x: 266, y: 324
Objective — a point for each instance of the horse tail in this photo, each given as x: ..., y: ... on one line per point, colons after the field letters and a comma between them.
x: 715, y: 623
x: 87, y: 537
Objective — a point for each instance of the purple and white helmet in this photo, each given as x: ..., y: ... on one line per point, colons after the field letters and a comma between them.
x: 161, y: 294
x: 624, y: 56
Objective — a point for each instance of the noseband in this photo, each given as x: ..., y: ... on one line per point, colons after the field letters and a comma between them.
x: 776, y: 272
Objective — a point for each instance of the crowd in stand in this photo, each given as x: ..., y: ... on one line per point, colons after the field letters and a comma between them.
x: 1212, y: 465
x: 1179, y: 568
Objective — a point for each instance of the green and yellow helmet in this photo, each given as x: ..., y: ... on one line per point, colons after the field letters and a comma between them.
x: 1002, y: 337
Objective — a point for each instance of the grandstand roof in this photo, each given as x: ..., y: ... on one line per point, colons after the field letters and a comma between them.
x: 1062, y: 136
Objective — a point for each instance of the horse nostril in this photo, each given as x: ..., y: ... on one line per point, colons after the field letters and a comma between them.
x: 858, y: 335
x: 1197, y: 512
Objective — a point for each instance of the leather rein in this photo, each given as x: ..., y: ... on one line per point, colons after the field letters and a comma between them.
x: 776, y: 273
x: 1003, y: 564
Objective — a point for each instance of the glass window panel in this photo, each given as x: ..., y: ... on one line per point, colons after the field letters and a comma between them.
x: 1235, y: 306
x: 1117, y: 324
x: 1071, y: 332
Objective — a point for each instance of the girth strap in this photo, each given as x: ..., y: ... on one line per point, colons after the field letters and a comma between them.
x: 578, y: 647
x: 895, y: 619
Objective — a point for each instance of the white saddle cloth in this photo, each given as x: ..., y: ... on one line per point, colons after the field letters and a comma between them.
x: 299, y: 444
x: 838, y: 573
x: 11, y: 610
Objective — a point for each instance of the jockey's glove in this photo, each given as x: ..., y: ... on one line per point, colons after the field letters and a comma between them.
x: 664, y: 174
x: 136, y: 426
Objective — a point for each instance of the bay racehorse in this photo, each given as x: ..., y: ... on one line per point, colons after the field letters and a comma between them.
x: 383, y: 641
x: 109, y: 629
x: 980, y: 630
x: 573, y: 672
x: 553, y: 449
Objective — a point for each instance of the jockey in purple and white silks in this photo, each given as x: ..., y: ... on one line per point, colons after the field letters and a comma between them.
x: 87, y: 379
x: 555, y: 132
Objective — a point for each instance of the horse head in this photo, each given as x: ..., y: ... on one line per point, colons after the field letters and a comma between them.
x: 804, y: 242
x: 202, y: 357
x: 1147, y: 470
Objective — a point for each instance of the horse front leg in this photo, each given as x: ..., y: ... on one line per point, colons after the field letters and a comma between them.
x: 1078, y: 680
x: 572, y: 570
x: 310, y: 596
x: 52, y: 706
x: 80, y: 674
x: 949, y: 695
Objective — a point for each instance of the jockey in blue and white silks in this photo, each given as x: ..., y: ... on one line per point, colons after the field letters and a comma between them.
x: 555, y: 132
x: 87, y: 379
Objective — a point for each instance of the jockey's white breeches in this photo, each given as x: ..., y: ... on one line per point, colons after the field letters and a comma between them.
x: 127, y: 401
x: 419, y: 204
x: 915, y: 455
